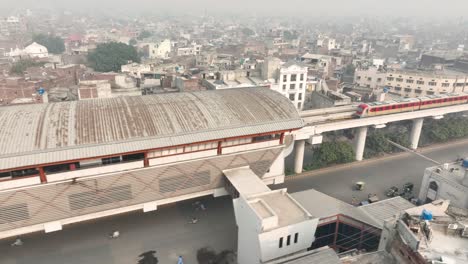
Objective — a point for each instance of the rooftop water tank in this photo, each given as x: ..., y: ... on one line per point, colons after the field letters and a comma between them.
x: 426, y: 215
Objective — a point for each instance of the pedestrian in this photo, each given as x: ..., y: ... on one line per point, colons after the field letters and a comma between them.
x: 194, y: 220
x: 18, y: 242
x: 180, y: 260
x: 115, y: 234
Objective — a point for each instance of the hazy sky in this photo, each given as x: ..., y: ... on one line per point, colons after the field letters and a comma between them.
x: 436, y: 8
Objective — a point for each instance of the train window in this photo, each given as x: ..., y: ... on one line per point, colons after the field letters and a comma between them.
x: 372, y: 110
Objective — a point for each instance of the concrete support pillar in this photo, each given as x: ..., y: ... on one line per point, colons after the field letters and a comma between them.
x: 360, y: 142
x: 416, y: 132
x: 299, y: 147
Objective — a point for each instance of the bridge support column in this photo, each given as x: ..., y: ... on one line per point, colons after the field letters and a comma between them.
x: 299, y: 147
x: 360, y: 142
x: 416, y: 132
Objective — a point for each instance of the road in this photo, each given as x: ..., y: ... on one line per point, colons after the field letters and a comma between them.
x: 167, y: 230
x: 379, y: 174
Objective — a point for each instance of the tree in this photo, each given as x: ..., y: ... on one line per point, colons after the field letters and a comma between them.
x: 288, y: 35
x: 148, y: 258
x: 329, y: 153
x: 132, y: 42
x: 53, y: 44
x: 144, y: 34
x: 248, y: 32
x: 209, y: 256
x: 21, y: 66
x: 111, y: 56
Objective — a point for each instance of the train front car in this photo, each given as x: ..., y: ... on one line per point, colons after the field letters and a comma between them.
x: 362, y: 111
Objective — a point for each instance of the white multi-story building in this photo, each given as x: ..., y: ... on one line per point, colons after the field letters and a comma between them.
x: 292, y: 83
x: 193, y: 49
x: 413, y: 83
x: 160, y: 50
x: 34, y: 50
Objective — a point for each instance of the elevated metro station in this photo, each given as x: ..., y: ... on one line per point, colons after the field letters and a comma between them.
x: 68, y: 162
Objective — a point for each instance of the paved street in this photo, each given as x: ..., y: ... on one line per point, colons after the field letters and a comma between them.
x: 168, y: 232
x: 379, y: 174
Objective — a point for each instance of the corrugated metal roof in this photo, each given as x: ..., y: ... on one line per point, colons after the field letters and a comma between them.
x: 386, y: 209
x: 43, y: 133
x: 330, y: 206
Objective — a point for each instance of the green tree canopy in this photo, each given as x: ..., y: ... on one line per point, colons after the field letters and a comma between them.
x: 21, y: 66
x: 329, y: 153
x: 144, y: 34
x: 132, y: 42
x: 111, y: 56
x: 248, y: 32
x: 53, y: 44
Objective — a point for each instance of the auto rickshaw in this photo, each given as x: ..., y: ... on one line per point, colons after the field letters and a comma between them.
x: 392, y: 192
x: 359, y: 186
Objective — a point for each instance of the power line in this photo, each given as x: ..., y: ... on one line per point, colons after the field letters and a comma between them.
x: 414, y: 152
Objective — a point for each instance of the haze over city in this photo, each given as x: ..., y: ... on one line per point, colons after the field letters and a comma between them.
x: 233, y: 132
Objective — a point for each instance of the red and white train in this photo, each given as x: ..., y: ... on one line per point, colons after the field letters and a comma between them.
x: 410, y: 104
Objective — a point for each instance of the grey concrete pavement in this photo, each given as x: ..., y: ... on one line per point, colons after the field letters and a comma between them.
x: 166, y: 230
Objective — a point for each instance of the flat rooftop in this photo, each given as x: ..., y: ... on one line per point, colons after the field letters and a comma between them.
x: 278, y: 203
x: 454, y: 172
x: 266, y: 203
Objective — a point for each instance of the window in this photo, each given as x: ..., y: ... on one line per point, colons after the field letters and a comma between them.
x: 397, y: 88
x: 57, y: 168
x: 291, y: 97
x: 379, y: 79
x: 292, y: 86
x: 358, y: 78
x: 288, y: 240
x: 285, y: 78
x: 110, y: 160
x: 293, y: 77
x: 432, y: 83
x: 296, y: 238
x: 302, y: 76
x: 369, y: 79
x: 399, y: 79
x: 301, y: 85
x: 300, y: 96
x: 418, y: 91
x: 132, y: 157
x: 409, y: 81
x: 299, y: 105
x: 429, y: 93
x: 280, y: 242
x: 445, y: 84
x: 390, y: 79
x: 24, y: 173
x: 420, y: 82
x: 407, y: 90
x: 284, y: 87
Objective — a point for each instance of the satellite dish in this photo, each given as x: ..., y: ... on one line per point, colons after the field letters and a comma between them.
x: 41, y: 91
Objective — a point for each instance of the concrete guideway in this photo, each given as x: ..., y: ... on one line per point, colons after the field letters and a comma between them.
x: 312, y: 131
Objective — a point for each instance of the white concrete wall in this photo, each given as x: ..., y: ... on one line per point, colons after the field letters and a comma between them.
x: 448, y: 189
x: 269, y: 241
x: 183, y: 157
x: 240, y: 148
x: 9, y: 184
x: 94, y: 171
x: 276, y: 173
x: 248, y: 248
